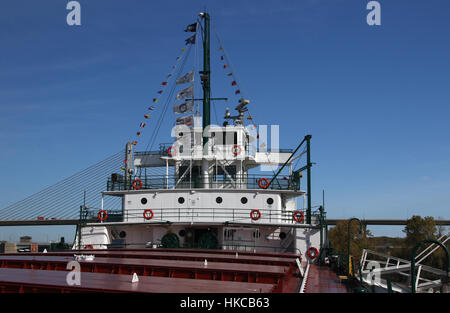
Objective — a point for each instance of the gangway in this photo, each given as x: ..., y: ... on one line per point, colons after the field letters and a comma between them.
x: 374, y: 265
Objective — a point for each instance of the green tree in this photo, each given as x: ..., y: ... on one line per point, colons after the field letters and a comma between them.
x: 358, y: 241
x: 418, y: 229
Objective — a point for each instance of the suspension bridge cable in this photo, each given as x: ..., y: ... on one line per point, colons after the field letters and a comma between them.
x: 57, y: 184
x: 56, y: 192
x: 57, y: 195
x: 65, y: 193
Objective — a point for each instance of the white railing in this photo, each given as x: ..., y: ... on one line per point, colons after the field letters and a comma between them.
x: 208, y: 215
x: 375, y: 264
x: 214, y: 215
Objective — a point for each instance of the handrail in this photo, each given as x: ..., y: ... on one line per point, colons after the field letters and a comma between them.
x: 413, y: 261
x: 424, y: 267
x: 430, y: 247
x: 163, y: 150
x: 229, y: 247
x: 403, y: 267
x: 214, y: 215
x: 151, y: 181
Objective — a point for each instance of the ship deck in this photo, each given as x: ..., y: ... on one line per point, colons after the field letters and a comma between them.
x: 322, y: 279
x: 26, y: 280
x: 158, y: 270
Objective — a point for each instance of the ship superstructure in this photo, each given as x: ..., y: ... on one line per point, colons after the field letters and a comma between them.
x: 209, y: 197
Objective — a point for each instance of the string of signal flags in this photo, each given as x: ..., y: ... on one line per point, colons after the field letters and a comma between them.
x: 190, y: 40
x: 234, y: 83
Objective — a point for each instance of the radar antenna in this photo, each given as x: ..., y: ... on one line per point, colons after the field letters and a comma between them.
x: 238, y: 119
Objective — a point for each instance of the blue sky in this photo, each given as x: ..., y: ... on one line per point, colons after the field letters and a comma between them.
x: 374, y: 98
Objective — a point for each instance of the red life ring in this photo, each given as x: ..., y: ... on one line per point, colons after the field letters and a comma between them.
x: 265, y: 185
x: 236, y: 150
x: 296, y: 218
x: 102, y: 215
x: 90, y: 247
x: 146, y: 216
x: 137, y: 187
x: 315, y: 253
x: 169, y: 151
x: 252, y: 215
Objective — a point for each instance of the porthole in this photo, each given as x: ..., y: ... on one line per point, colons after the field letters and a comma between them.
x: 122, y: 234
x: 244, y: 200
x: 269, y: 201
x: 180, y: 200
x: 282, y: 235
x: 182, y: 233
x: 219, y: 199
x: 144, y: 200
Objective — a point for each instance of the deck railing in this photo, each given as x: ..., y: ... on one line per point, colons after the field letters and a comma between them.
x: 164, y: 150
x: 205, y: 215
x: 142, y: 182
x: 234, y: 246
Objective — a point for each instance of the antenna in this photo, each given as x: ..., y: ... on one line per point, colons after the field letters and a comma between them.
x: 238, y: 119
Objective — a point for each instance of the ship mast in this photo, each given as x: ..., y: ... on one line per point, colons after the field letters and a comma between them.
x: 206, y: 83
x: 205, y: 75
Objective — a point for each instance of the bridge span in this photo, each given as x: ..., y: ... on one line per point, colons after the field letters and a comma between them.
x: 330, y: 222
x: 42, y: 222
x: 333, y: 222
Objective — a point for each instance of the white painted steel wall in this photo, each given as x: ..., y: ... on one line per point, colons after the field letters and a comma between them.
x: 201, y: 206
